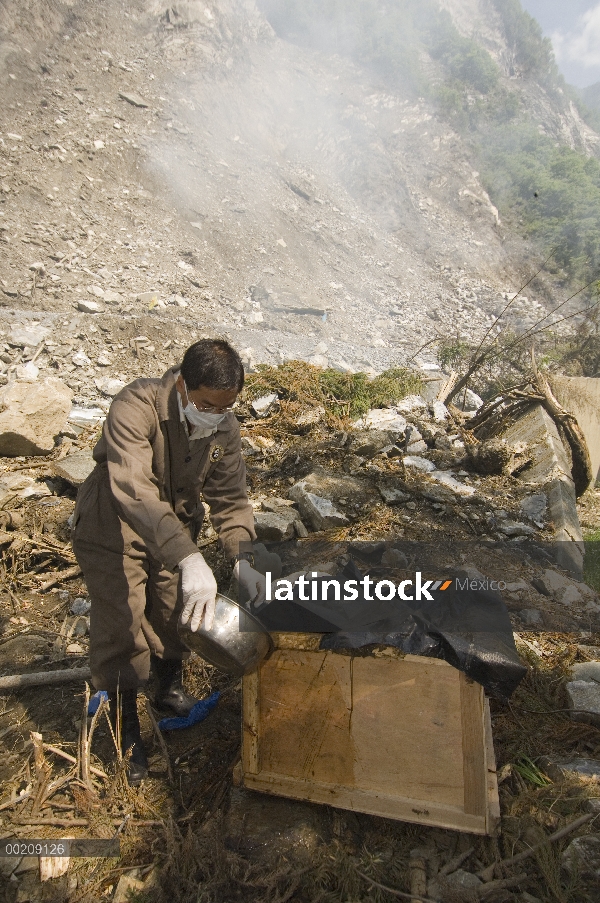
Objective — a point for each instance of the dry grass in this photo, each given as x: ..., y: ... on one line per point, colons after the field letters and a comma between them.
x: 301, y: 386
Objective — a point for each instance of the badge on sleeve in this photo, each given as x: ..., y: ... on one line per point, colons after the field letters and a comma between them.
x: 216, y: 453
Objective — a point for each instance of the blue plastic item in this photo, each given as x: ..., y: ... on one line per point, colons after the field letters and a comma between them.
x: 198, y: 713
x: 95, y: 701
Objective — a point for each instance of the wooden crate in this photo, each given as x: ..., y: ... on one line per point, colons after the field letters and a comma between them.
x: 407, y: 738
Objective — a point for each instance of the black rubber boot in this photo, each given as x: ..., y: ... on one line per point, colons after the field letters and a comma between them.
x: 130, y: 734
x: 170, y: 693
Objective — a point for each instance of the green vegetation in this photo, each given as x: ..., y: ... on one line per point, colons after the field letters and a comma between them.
x: 531, y: 52
x: 552, y: 192
x: 591, y: 562
x: 387, y: 37
x: 549, y: 193
x: 301, y: 385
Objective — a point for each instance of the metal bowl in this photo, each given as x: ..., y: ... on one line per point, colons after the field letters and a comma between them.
x: 236, y: 643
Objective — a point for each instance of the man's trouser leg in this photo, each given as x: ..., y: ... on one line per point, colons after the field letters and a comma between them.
x: 135, y: 601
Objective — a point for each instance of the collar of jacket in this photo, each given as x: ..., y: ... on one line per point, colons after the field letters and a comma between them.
x: 166, y: 401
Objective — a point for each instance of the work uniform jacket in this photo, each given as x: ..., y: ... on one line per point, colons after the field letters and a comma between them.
x: 138, y: 515
x: 157, y: 474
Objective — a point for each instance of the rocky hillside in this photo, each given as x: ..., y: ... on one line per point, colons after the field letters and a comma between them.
x: 171, y: 172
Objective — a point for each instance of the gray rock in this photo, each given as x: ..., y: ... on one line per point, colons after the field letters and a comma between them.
x: 8, y: 864
x: 515, y: 528
x: 382, y: 419
x: 86, y: 416
x: 134, y: 99
x: 439, y: 411
x: 531, y: 617
x: 109, y: 387
x: 516, y: 586
x: 82, y: 627
x: 418, y: 463
x: 557, y: 767
x: 275, y: 503
x: 437, y: 495
x: 90, y: 307
x: 27, y: 864
x: 146, y: 297
x: 535, y: 507
x: 75, y: 468
x: 447, y: 479
x: 368, y: 443
x: 27, y: 372
x: 469, y: 401
x: 394, y: 558
x: 584, y: 700
x: 592, y: 805
x: 275, y: 526
x: 32, y: 415
x: 265, y: 405
x: 81, y: 606
x: 319, y: 512
x: 393, y: 495
x: 582, y: 856
x: 463, y: 879
x: 571, y: 596
x: 410, y: 403
x: 27, y: 336
x: 586, y: 671
x: 341, y: 489
x: 301, y: 531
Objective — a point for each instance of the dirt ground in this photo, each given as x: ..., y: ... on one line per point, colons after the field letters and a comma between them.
x: 189, y: 834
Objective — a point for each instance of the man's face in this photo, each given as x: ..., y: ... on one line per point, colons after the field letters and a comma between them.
x: 214, y: 401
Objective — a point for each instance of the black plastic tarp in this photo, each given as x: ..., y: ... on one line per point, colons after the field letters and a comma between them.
x: 468, y: 628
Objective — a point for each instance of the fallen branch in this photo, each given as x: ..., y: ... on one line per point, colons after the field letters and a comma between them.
x: 488, y: 873
x: 393, y: 891
x: 501, y: 884
x: 161, y: 741
x: 43, y: 678
x: 455, y: 863
x: 581, y: 469
x: 81, y: 822
x: 60, y: 576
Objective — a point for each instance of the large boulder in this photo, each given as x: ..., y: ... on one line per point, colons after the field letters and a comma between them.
x: 32, y: 415
x: 325, y: 498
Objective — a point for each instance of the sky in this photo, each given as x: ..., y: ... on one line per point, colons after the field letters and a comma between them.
x: 574, y: 28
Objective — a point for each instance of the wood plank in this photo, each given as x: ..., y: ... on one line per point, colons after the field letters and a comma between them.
x: 493, y: 800
x: 407, y: 730
x: 250, y: 722
x: 305, y: 716
x: 363, y: 722
x: 474, y: 770
x: 370, y: 802
x: 399, y: 737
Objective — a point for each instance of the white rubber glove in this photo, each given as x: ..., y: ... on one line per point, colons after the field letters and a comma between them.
x: 199, y: 589
x: 252, y: 582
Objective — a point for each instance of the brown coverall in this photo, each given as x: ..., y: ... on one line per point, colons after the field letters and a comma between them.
x: 139, y: 513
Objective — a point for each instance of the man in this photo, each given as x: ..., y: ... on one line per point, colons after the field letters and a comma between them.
x: 136, y: 522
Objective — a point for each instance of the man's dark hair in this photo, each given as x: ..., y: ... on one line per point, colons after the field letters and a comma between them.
x: 212, y: 363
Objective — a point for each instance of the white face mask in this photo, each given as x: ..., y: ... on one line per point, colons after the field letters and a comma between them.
x: 204, y: 420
